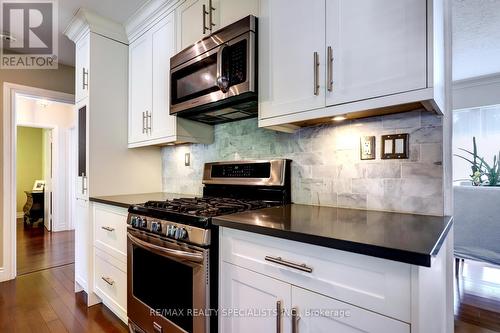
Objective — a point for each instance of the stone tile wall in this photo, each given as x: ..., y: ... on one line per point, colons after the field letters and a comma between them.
x: 326, y: 168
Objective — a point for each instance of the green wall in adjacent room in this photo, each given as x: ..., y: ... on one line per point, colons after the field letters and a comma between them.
x: 29, y: 162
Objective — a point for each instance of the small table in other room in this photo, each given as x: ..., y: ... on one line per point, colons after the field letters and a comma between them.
x: 34, y: 207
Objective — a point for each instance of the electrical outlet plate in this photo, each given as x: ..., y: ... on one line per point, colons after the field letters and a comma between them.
x: 187, y: 159
x: 395, y: 146
x: 367, y: 148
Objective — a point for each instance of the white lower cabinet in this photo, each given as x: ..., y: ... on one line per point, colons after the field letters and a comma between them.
x: 109, y: 248
x: 317, y: 313
x: 82, y: 239
x: 254, y: 298
x: 323, y: 290
x: 253, y: 302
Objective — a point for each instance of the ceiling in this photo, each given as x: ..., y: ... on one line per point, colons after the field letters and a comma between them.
x: 117, y: 10
x: 476, y: 38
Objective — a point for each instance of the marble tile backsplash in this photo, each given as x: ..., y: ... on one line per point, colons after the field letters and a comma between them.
x: 326, y: 168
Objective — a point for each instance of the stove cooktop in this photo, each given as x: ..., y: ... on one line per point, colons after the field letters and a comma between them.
x: 206, y: 206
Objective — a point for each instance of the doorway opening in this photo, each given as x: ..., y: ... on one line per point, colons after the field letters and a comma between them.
x: 44, y: 232
x: 39, y: 147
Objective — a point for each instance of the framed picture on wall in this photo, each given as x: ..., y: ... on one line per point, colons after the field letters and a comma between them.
x: 39, y: 185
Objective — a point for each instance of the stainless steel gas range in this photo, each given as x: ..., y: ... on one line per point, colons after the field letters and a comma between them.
x: 173, y: 246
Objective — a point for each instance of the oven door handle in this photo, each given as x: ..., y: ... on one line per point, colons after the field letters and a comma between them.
x: 165, y: 252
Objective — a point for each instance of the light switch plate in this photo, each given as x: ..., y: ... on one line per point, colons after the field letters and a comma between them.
x: 367, y: 148
x: 187, y: 159
x: 395, y: 146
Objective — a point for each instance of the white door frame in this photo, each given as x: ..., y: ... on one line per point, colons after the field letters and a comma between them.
x: 10, y: 90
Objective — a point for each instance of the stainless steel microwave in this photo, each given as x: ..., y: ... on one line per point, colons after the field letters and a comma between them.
x: 214, y: 81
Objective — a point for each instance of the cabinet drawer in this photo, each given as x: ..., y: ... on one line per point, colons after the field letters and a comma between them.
x: 110, y: 283
x: 375, y: 284
x: 110, y: 229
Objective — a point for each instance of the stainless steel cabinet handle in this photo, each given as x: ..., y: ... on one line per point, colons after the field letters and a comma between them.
x: 329, y: 64
x: 85, y: 80
x: 83, y: 186
x: 316, y: 73
x: 108, y: 280
x: 279, y: 312
x: 108, y: 228
x: 295, y: 320
x: 84, y: 182
x: 143, y: 123
x: 280, y: 261
x: 204, y: 13
x: 148, y: 122
x: 210, y: 15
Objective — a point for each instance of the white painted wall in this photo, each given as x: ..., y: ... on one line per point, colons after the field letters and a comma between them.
x: 61, y: 117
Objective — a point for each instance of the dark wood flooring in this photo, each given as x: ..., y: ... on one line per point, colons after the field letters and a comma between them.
x: 39, y: 249
x: 45, y: 301
x: 477, y: 298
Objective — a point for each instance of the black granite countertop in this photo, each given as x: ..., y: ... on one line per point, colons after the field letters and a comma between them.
x: 408, y: 238
x: 125, y: 200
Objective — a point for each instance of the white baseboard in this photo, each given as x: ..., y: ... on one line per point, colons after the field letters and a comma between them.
x: 19, y: 215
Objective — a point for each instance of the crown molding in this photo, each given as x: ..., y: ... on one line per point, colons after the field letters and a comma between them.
x: 147, y: 16
x: 477, y: 81
x: 86, y: 20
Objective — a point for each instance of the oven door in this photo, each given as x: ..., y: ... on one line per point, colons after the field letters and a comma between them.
x: 167, y: 285
x: 225, y: 71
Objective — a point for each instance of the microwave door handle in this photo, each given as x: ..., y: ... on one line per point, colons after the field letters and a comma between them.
x: 222, y: 81
x: 166, y: 252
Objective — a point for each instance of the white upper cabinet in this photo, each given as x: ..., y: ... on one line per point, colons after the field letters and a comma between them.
x: 371, y: 55
x: 163, y: 40
x: 82, y: 53
x: 377, y: 48
x: 291, y: 56
x: 140, y: 88
x: 196, y: 19
x: 150, y: 122
x: 231, y: 11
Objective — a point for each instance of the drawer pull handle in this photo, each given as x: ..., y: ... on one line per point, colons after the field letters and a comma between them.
x: 280, y: 261
x: 108, y: 280
x: 108, y: 228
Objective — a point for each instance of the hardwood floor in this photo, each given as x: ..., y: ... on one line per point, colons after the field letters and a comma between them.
x: 39, y: 249
x: 45, y: 301
x: 477, y: 298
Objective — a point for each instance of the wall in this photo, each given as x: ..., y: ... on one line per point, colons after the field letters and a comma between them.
x: 62, y: 117
x: 326, y: 168
x: 61, y: 79
x: 28, y: 162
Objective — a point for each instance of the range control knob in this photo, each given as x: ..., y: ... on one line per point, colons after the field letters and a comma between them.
x: 156, y: 227
x: 133, y: 221
x: 171, y: 229
x: 180, y: 233
x: 143, y: 223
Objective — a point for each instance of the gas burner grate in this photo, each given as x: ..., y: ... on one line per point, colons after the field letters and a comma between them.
x: 206, y: 206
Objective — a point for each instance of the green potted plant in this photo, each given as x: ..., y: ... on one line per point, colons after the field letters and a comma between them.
x: 482, y: 173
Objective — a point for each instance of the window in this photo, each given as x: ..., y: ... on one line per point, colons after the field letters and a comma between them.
x: 484, y: 124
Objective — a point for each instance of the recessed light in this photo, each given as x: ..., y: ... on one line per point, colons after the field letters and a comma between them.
x: 339, y: 118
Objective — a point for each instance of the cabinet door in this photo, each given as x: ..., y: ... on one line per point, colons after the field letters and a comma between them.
x: 163, y: 38
x: 140, y: 88
x: 231, y: 11
x: 190, y: 20
x: 291, y: 79
x: 82, y: 50
x: 82, y: 243
x: 82, y: 191
x: 246, y: 292
x: 320, y: 314
x: 379, y: 48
